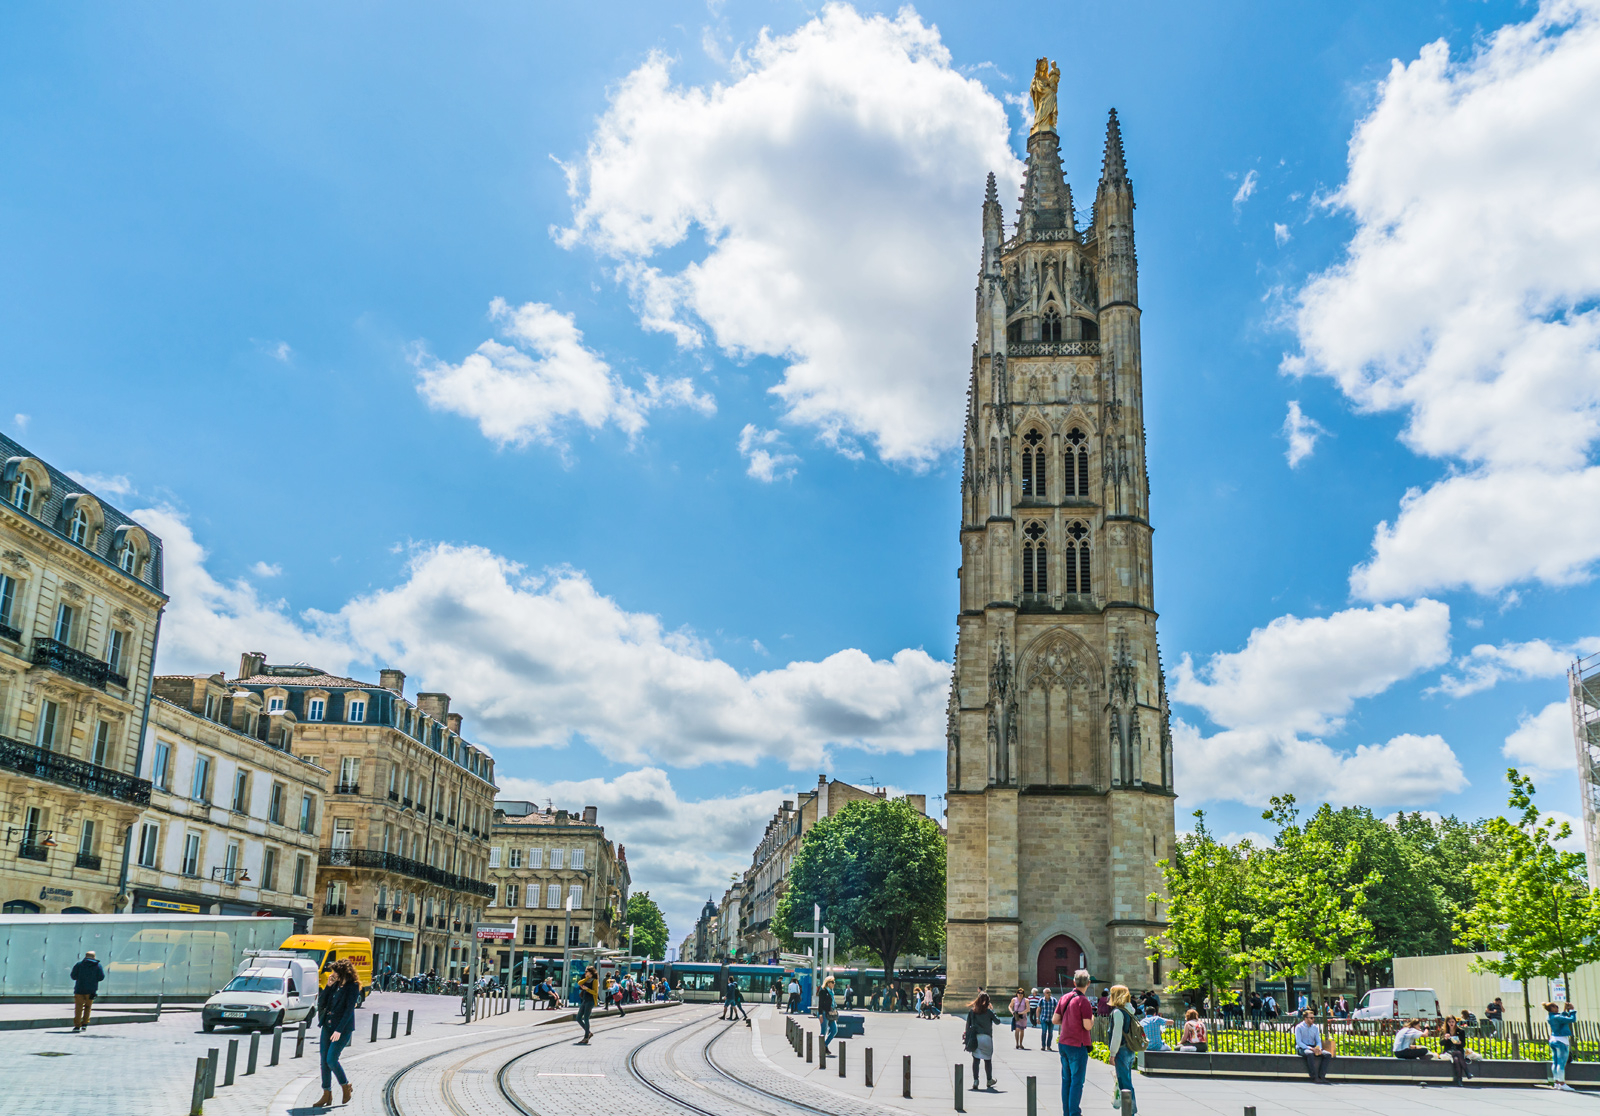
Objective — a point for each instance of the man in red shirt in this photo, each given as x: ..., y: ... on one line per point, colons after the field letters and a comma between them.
x: 1075, y: 1026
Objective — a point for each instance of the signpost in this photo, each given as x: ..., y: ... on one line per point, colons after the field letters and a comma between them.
x: 501, y: 933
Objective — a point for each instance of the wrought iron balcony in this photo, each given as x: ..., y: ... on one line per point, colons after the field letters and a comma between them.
x: 33, y: 850
x: 383, y: 913
x: 54, y: 655
x: 347, y: 788
x: 88, y: 860
x: 405, y: 804
x: 394, y: 796
x: 411, y: 919
x: 405, y: 866
x: 8, y: 632
x: 53, y: 767
x: 335, y: 910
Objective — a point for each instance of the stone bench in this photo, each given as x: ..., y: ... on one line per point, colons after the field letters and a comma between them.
x: 1290, y: 1067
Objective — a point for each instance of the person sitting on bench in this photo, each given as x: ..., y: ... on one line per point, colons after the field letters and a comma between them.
x: 1405, y: 1039
x: 1308, y: 1044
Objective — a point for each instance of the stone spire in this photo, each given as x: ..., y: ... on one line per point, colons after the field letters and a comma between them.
x: 1113, y: 169
x: 1046, y: 197
x: 994, y: 222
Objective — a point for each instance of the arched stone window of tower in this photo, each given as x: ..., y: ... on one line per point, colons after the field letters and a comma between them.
x: 1034, y: 460
x: 1075, y: 568
x: 1091, y: 329
x: 1077, y: 463
x: 1050, y: 328
x: 1034, y: 564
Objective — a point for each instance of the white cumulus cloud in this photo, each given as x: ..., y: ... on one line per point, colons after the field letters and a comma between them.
x: 1486, y: 665
x: 1301, y: 432
x: 837, y: 182
x: 1294, y: 682
x: 763, y: 449
x: 546, y: 377
x: 1467, y: 300
x: 1543, y: 741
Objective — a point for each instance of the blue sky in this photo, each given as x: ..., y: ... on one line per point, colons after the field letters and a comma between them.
x: 252, y: 258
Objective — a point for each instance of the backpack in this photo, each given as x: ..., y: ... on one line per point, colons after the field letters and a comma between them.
x: 1133, y: 1036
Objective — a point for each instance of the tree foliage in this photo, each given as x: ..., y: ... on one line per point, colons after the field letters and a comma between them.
x: 1210, y: 925
x: 877, y: 870
x: 649, y: 926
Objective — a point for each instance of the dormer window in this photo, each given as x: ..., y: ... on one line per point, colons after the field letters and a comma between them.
x: 356, y: 711
x: 315, y: 708
x: 22, y: 492
x: 128, y: 559
x: 275, y: 705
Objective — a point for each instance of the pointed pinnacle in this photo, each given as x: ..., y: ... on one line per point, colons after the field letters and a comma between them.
x: 990, y: 195
x: 1113, y: 167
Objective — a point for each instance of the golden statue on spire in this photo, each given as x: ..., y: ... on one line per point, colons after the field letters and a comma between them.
x: 1046, y: 77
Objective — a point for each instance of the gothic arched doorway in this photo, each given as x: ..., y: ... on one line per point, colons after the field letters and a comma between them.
x: 1059, y: 958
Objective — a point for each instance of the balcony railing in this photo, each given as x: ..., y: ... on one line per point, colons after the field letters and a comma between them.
x: 393, y: 862
x: 394, y: 796
x: 347, y: 788
x: 411, y: 919
x: 405, y: 804
x: 53, y: 767
x: 1053, y: 348
x: 336, y: 910
x: 88, y: 860
x: 54, y: 655
x: 438, y: 815
x: 32, y: 850
x: 8, y: 632
x: 383, y: 913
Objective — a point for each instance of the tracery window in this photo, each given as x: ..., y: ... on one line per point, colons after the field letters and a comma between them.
x: 1077, y: 463
x: 1075, y: 569
x: 1034, y: 460
x: 1035, y: 579
x: 1050, y: 328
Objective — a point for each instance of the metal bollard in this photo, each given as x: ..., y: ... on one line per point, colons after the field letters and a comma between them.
x: 869, y: 1067
x: 277, y: 1043
x: 255, y: 1048
x: 300, y: 1041
x: 394, y: 1024
x: 905, y: 1077
x: 822, y: 1055
x: 1127, y: 1102
x: 211, y: 1073
x: 808, y: 1046
x: 233, y: 1060
x: 841, y: 1059
x: 374, y: 1027
x: 1249, y: 1110
x: 197, y: 1096
x: 408, y: 1021
x: 961, y: 1073
x: 1033, y: 1096
x: 160, y: 998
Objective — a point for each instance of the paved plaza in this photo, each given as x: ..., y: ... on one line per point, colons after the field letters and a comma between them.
x: 665, y: 1061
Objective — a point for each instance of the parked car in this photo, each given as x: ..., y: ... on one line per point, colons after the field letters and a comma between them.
x: 1393, y: 1004
x: 272, y: 988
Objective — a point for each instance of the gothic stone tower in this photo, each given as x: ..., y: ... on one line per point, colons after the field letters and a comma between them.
x: 1060, y: 760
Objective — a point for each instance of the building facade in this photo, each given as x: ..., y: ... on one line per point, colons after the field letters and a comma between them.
x: 540, y: 859
x: 235, y: 815
x: 405, y: 830
x: 1060, y: 798
x: 767, y: 876
x: 80, y: 606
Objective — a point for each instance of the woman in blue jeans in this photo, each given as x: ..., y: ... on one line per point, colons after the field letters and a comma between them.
x: 336, y: 1013
x: 829, y: 1014
x: 1122, y: 1021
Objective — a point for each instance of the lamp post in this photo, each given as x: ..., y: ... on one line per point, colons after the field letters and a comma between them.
x: 566, y: 951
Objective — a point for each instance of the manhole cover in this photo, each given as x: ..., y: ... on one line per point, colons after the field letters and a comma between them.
x: 52, y: 1053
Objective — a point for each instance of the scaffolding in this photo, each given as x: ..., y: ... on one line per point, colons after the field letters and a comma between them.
x: 1584, y: 688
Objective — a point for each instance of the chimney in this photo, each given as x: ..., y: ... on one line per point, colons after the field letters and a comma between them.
x: 251, y: 664
x: 590, y: 814
x: 454, y: 721
x: 393, y: 680
x: 434, y: 705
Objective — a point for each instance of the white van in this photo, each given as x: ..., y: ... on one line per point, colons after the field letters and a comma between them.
x: 272, y: 987
x: 1398, y: 1004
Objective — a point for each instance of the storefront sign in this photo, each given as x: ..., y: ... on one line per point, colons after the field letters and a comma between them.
x: 54, y: 893
x: 163, y: 905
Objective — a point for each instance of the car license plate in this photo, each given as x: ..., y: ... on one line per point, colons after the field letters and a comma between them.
x: 234, y: 1014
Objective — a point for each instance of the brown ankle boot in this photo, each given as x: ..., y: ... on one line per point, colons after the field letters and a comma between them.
x: 324, y: 1101
x: 348, y: 1089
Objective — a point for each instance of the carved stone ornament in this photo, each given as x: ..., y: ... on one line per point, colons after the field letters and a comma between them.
x: 17, y: 559
x: 124, y: 615
x: 73, y: 590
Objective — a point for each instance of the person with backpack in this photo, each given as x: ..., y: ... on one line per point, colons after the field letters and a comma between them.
x: 978, y: 1037
x: 1074, y: 1018
x: 1126, y: 1040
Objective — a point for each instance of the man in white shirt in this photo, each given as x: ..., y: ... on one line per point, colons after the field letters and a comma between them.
x: 1404, y: 1040
x: 794, y: 995
x: 1308, y: 1044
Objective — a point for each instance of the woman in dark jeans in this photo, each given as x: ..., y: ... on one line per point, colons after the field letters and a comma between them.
x: 336, y: 1013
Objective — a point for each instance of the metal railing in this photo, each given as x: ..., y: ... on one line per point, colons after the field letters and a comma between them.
x: 335, y: 910
x: 57, y: 656
x: 392, y: 862
x: 8, y: 632
x: 394, y: 796
x: 88, y: 860
x: 347, y: 788
x: 54, y: 767
x: 32, y: 850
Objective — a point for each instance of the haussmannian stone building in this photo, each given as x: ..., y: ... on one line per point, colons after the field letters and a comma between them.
x: 405, y: 826
x: 1060, y: 798
x: 80, y: 602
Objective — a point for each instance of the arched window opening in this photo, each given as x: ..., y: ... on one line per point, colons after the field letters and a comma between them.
x: 128, y: 559
x: 1014, y: 331
x: 1050, y: 329
x: 1077, y: 463
x: 79, y: 530
x: 1075, y: 560
x: 22, y: 492
x: 1033, y: 465
x: 1034, y: 559
x: 1091, y: 329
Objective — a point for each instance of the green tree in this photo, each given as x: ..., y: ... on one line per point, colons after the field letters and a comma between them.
x: 649, y: 926
x: 1534, y: 907
x: 1209, y: 921
x: 877, y: 870
x: 1309, y: 902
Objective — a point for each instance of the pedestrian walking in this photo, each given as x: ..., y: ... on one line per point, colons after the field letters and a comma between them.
x: 1033, y: 1007
x: 938, y: 1000
x: 978, y: 1037
x: 1075, y: 1020
x: 1560, y: 1042
x: 86, y: 977
x: 794, y: 995
x: 1019, y: 1017
x: 588, y: 993
x: 733, y: 1002
x: 1125, y: 1041
x: 336, y: 1015
x: 828, y: 1013
x: 1047, y: 1018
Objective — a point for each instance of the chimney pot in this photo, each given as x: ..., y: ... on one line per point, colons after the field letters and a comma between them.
x: 251, y: 664
x: 590, y: 815
x: 393, y: 680
x: 454, y: 721
x: 434, y: 705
